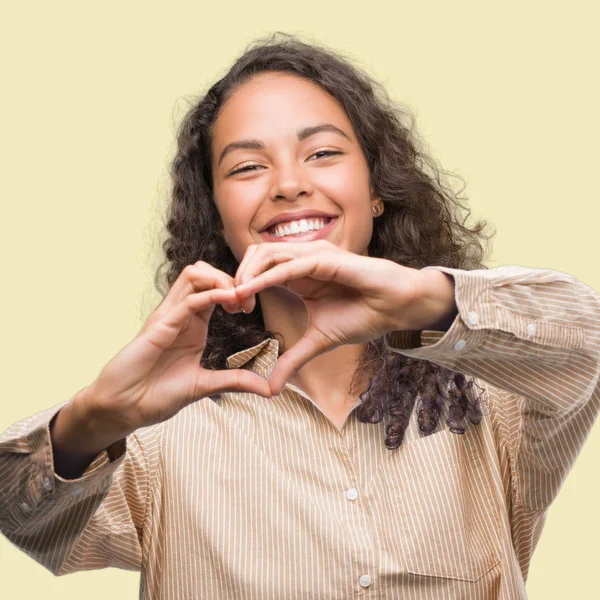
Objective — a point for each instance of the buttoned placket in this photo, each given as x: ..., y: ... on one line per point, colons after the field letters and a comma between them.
x: 361, y: 517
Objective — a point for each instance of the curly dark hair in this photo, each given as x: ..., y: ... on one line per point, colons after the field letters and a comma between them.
x: 420, y: 226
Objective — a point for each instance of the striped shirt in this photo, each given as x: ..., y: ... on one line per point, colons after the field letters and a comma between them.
x: 266, y: 498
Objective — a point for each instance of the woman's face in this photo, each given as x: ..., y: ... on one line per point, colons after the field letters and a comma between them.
x: 272, y: 169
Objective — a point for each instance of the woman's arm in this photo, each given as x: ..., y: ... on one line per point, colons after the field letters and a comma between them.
x: 92, y: 521
x: 534, y: 335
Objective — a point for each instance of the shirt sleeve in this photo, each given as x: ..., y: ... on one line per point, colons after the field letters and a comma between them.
x: 534, y: 336
x: 92, y: 522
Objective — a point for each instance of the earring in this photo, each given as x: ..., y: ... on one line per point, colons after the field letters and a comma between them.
x: 377, y: 209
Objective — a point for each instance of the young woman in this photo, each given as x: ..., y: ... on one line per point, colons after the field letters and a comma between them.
x: 335, y: 397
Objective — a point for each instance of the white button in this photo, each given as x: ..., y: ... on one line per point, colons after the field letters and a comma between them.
x: 364, y: 580
x: 352, y: 494
x: 460, y: 345
x: 25, y: 508
x: 76, y: 491
x: 531, y: 329
x: 473, y: 317
x: 47, y: 484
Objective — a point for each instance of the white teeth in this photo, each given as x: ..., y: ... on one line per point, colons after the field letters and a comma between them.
x: 297, y: 228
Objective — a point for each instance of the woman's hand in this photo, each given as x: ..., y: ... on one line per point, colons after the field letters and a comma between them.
x: 159, y: 372
x: 350, y: 298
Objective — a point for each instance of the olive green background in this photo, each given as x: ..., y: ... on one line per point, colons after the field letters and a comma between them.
x: 505, y: 96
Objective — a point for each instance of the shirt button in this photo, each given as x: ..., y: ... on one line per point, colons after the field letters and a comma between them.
x: 531, y: 329
x: 352, y: 494
x: 25, y: 508
x: 47, y: 484
x: 364, y: 580
x: 473, y: 317
x: 460, y: 345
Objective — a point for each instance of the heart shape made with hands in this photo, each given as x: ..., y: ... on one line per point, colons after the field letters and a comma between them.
x: 350, y: 298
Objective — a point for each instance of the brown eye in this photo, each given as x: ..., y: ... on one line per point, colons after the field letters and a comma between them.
x: 326, y: 152
x: 243, y: 169
x: 250, y: 168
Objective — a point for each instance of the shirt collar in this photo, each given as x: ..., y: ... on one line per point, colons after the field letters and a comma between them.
x: 266, y: 353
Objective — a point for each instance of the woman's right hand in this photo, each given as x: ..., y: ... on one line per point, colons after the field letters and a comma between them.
x: 159, y: 372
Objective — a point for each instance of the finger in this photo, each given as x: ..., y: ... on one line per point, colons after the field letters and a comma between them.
x: 310, y: 266
x: 270, y: 254
x: 264, y: 256
x: 250, y: 252
x: 201, y: 276
x: 195, y: 303
x: 195, y: 278
x: 248, y: 304
x: 310, y: 345
x: 231, y: 380
x: 261, y: 260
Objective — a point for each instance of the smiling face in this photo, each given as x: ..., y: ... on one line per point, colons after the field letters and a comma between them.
x: 288, y: 162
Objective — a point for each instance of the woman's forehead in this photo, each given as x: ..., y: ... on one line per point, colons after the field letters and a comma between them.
x: 277, y: 103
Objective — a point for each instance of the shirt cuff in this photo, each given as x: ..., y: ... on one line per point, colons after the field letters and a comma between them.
x: 478, y: 312
x: 34, y: 489
x: 429, y: 343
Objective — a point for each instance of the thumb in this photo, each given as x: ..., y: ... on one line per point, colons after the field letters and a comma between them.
x: 232, y: 380
x: 311, y: 344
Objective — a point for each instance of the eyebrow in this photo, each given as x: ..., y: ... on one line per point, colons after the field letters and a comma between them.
x: 303, y: 133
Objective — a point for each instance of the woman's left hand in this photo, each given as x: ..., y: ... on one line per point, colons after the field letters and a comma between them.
x: 350, y: 298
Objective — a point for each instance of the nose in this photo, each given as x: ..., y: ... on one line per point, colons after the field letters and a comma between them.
x: 290, y: 180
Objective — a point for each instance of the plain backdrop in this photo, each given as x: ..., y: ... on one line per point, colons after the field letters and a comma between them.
x: 505, y: 95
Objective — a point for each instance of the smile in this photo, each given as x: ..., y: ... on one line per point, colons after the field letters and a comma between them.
x: 304, y: 230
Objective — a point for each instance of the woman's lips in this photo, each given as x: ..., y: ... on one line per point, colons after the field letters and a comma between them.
x: 307, y: 237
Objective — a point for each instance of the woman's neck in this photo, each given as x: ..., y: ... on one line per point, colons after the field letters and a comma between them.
x: 327, y: 377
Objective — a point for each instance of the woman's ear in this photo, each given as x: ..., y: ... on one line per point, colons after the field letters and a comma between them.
x: 376, y: 203
x: 374, y: 195
x: 377, y: 208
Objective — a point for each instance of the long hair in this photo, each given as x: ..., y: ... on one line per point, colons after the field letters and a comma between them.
x: 420, y: 226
